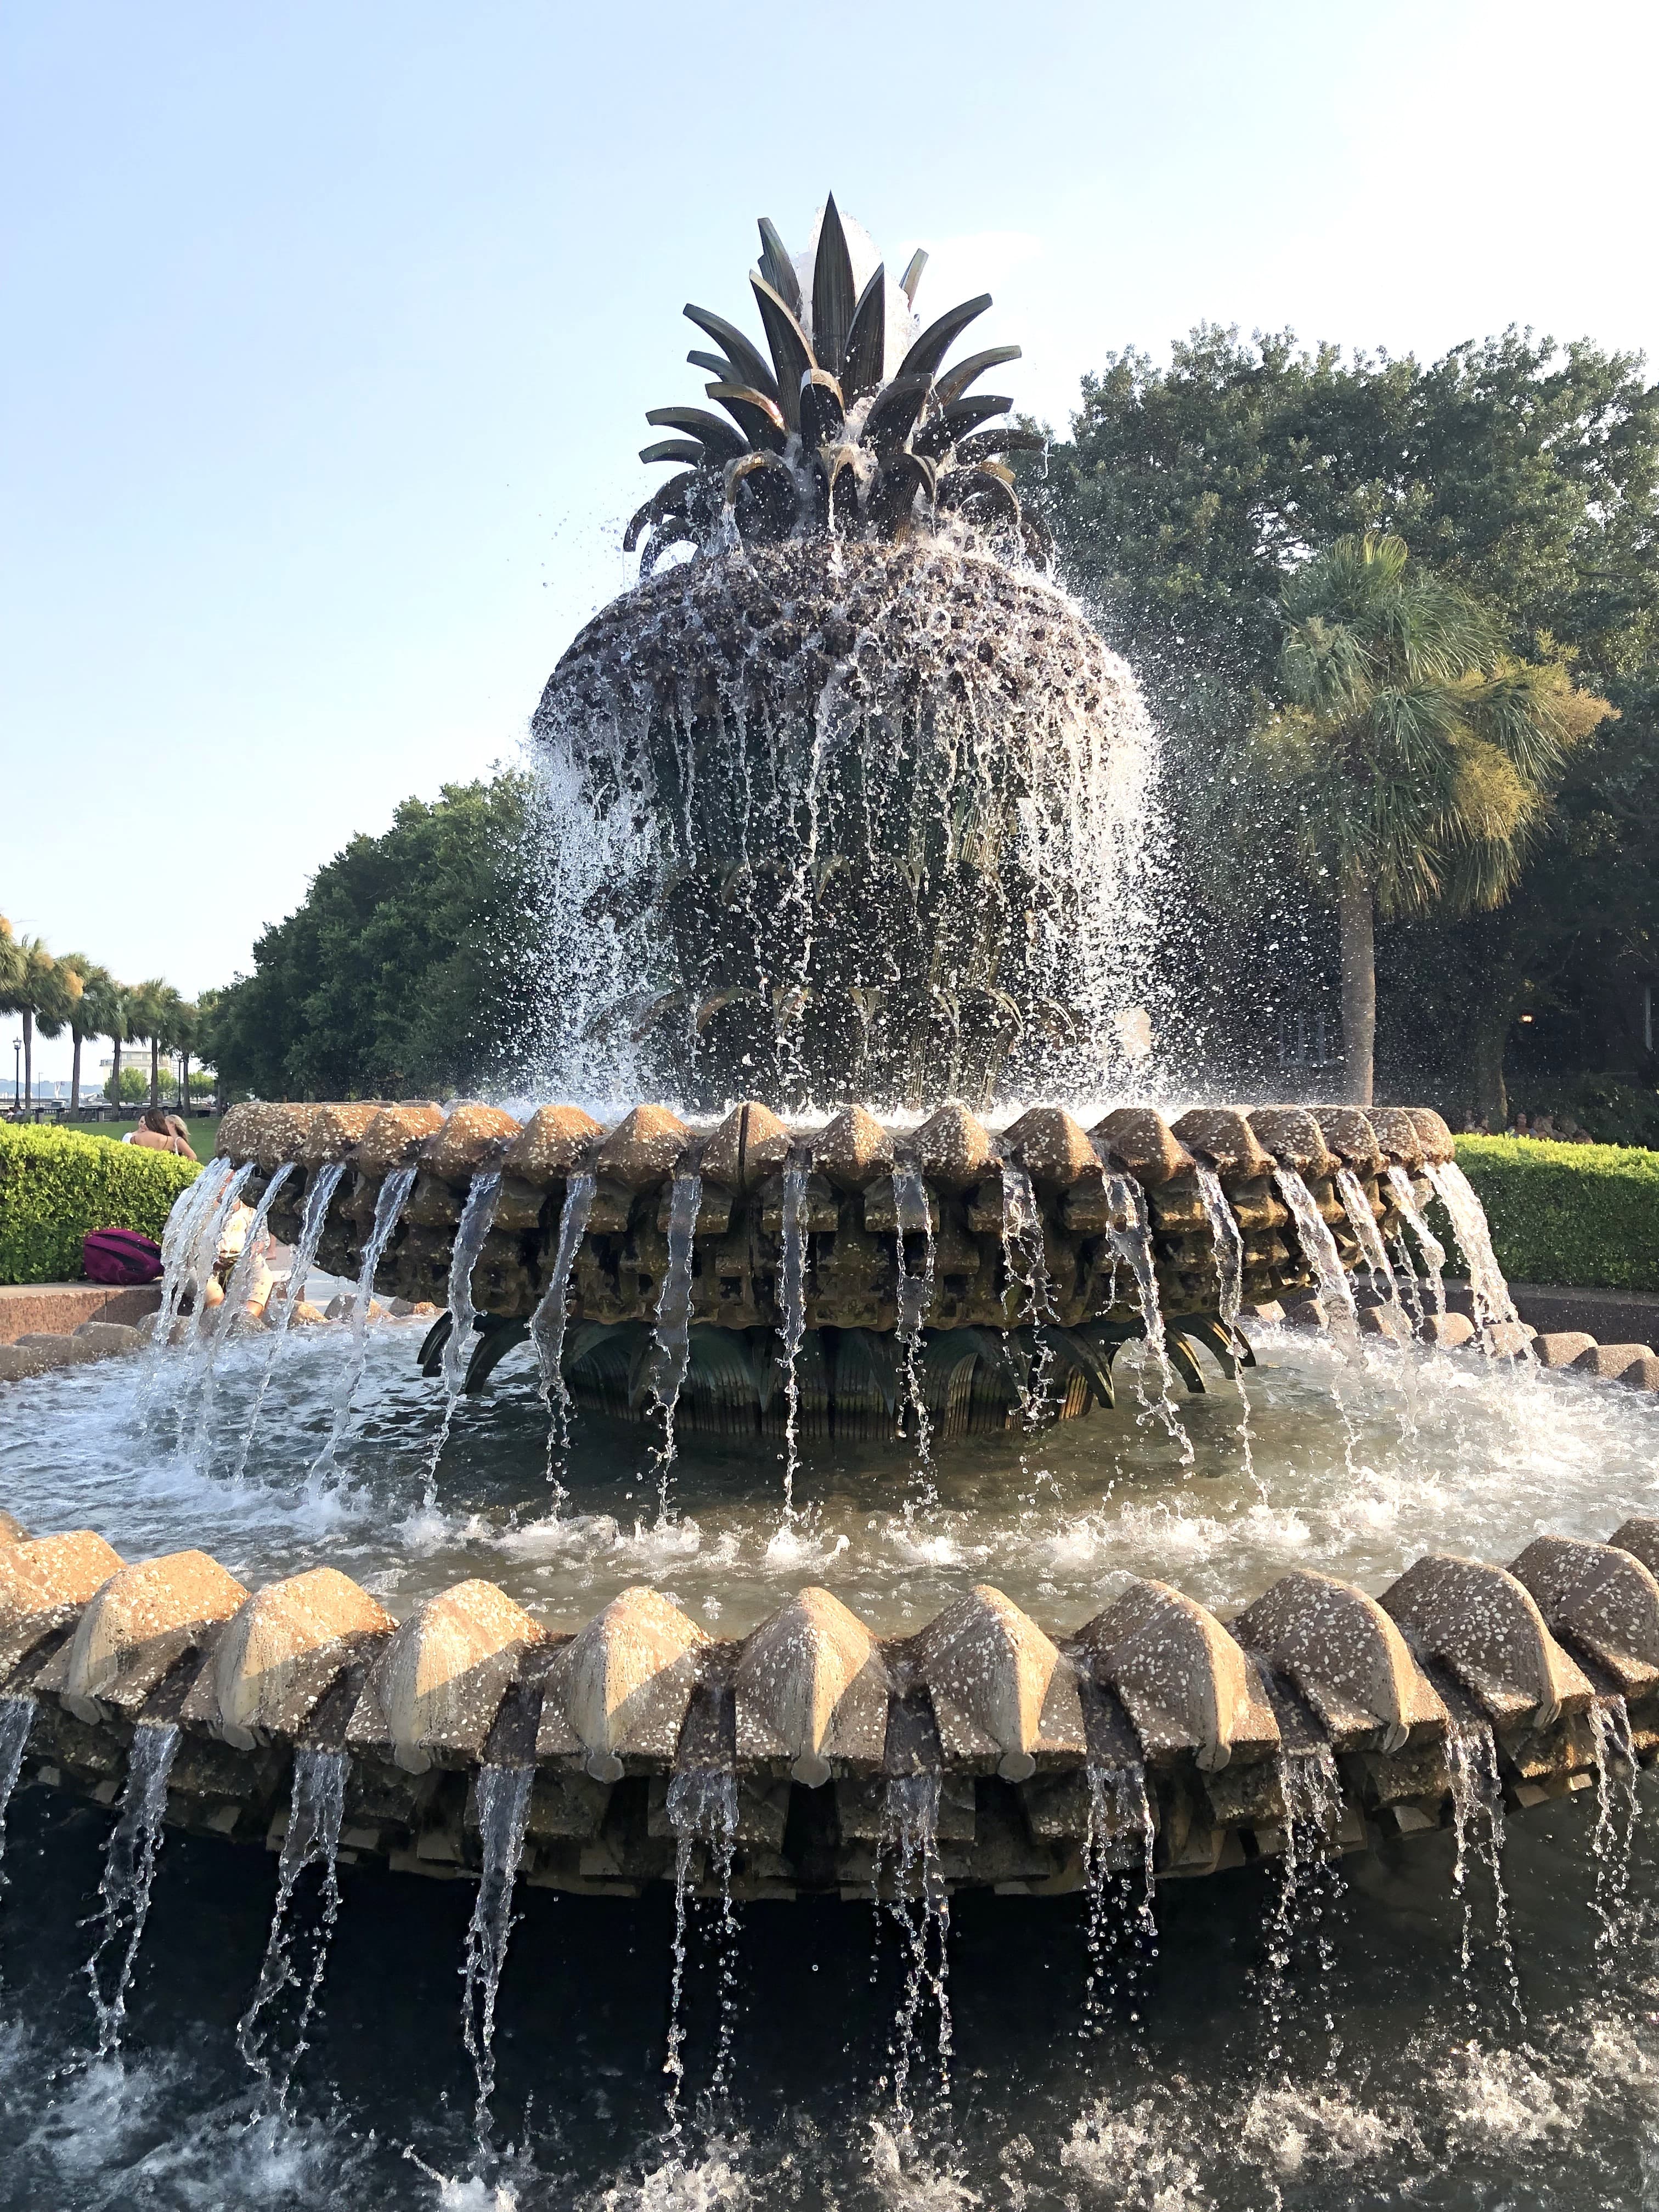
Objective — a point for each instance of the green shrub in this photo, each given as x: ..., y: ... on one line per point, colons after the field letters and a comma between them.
x: 56, y: 1184
x: 1586, y: 1214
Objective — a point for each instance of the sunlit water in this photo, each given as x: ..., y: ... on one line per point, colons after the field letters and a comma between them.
x: 1423, y: 2091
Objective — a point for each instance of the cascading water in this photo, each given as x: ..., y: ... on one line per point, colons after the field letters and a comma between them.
x: 503, y: 1813
x: 1433, y: 1251
x: 1319, y: 1249
x: 792, y: 1288
x: 1121, y: 1926
x: 702, y: 1808
x: 1025, y: 1263
x: 1477, y: 1798
x: 483, y: 1194
x: 1309, y: 1887
x: 236, y: 1292
x: 1369, y: 1236
x: 316, y: 1807
x: 1618, y: 1810
x: 1487, y: 1288
x: 388, y: 1206
x: 312, y: 1221
x: 915, y: 1298
x: 1132, y: 1240
x: 178, y: 1242
x: 548, y: 1322
x: 129, y: 1874
x: 1230, y: 1270
x: 16, y: 1718
x: 672, y: 1347
x: 920, y: 1905
x: 200, y: 1340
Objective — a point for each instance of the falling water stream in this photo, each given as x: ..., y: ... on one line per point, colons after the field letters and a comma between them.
x: 503, y: 1813
x: 179, y: 1239
x: 130, y: 1876
x: 1477, y: 1796
x: 1120, y: 1926
x: 235, y: 1306
x: 671, y: 1348
x: 919, y: 1905
x: 312, y: 1221
x: 1488, y: 1289
x: 1433, y: 1251
x: 792, y: 1288
x: 1132, y: 1241
x: 16, y: 1718
x: 316, y: 1807
x: 1618, y: 1810
x: 547, y: 1323
x: 1026, y: 1265
x: 202, y: 1340
x: 388, y: 1206
x: 703, y: 1810
x: 477, y: 1215
x: 913, y: 1218
x: 1309, y: 1887
x: 1230, y: 1269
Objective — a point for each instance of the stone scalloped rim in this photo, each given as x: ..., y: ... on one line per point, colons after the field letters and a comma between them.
x: 814, y: 1714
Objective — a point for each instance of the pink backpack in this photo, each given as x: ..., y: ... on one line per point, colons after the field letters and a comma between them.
x: 120, y: 1255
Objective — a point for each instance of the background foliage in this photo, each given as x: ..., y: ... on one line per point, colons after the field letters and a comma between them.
x: 1586, y: 1214
x: 55, y: 1185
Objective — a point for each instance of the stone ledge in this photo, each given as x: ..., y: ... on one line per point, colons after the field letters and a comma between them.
x: 59, y: 1308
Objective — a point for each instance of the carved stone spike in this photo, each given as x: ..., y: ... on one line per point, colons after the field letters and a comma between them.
x: 1222, y: 1136
x: 624, y: 1681
x: 394, y: 1137
x: 471, y: 1137
x: 1053, y: 1148
x: 336, y: 1130
x: 43, y: 1583
x: 1345, y: 1655
x: 139, y: 1624
x: 238, y: 1136
x: 1396, y: 1135
x: 552, y: 1145
x: 1294, y: 1138
x: 853, y: 1150
x: 1639, y: 1536
x: 645, y: 1148
x: 279, y: 1654
x: 1488, y: 1628
x: 283, y: 1135
x: 952, y: 1149
x: 1186, y: 1683
x: 1350, y: 1136
x: 1604, y: 1599
x: 751, y: 1144
x: 1135, y: 1138
x: 811, y: 1688
x: 439, y: 1680
x: 1433, y: 1135
x: 998, y: 1684
x: 12, y: 1531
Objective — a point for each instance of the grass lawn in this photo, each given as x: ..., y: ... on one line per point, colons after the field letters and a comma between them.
x: 204, y: 1135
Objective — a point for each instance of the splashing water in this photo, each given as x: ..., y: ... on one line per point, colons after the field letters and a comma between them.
x: 1309, y: 1887
x: 316, y: 1807
x: 503, y: 1813
x: 1132, y: 1241
x: 1319, y: 1249
x: 236, y: 1290
x: 794, y: 1301
x: 1477, y: 1796
x: 201, y: 1341
x: 388, y: 1206
x: 16, y: 1719
x: 196, y: 1204
x: 311, y: 1220
x: 129, y: 1873
x: 1229, y: 1268
x: 920, y: 1905
x: 1487, y: 1289
x: 548, y: 1322
x: 702, y: 1808
x: 1025, y: 1263
x: 915, y: 1299
x: 671, y: 1349
x: 477, y: 1216
x: 1373, y: 1251
x: 1433, y: 1251
x: 1121, y: 1926
x: 1618, y: 1809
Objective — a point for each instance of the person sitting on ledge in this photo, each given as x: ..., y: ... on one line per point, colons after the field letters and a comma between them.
x: 159, y: 1132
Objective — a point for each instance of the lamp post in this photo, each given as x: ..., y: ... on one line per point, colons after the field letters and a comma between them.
x: 16, y: 1072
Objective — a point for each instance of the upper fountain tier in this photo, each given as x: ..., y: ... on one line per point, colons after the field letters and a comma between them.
x: 848, y: 422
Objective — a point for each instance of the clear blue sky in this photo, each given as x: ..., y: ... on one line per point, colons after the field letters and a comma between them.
x: 328, y: 331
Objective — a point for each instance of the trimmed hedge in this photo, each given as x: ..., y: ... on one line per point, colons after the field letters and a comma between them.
x: 56, y: 1184
x: 1586, y: 1215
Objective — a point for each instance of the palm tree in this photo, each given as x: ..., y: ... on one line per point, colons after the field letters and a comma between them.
x: 147, y: 1019
x: 92, y: 1014
x: 118, y: 1028
x: 1418, y: 756
x: 181, y: 1036
x: 34, y: 986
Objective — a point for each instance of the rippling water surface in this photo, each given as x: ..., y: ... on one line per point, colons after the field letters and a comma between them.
x: 1402, y: 2083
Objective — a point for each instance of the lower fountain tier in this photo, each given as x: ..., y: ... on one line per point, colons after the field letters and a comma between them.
x: 1155, y: 1727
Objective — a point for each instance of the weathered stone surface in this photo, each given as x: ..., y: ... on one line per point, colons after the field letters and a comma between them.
x: 12, y: 1531
x: 1385, y: 1321
x: 1052, y: 1147
x: 1432, y: 1135
x: 1639, y: 1536
x: 279, y: 1654
x: 751, y: 1144
x: 952, y: 1149
x: 1348, y: 1134
x: 283, y: 1135
x: 238, y: 1133
x: 1642, y: 1374
x: 439, y: 1682
x: 1002, y: 1692
x: 394, y: 1139
x: 43, y: 1583
x: 49, y: 1351
x: 1488, y: 1628
x: 17, y: 1363
x: 1509, y: 1340
x: 472, y: 1137
x: 811, y: 1688
x: 58, y: 1308
x: 107, y: 1338
x: 1137, y: 1138
x: 1562, y: 1347
x: 1601, y: 1597
x: 1222, y: 1136
x: 1294, y: 1138
x: 1396, y: 1135
x: 853, y: 1150
x: 139, y: 1624
x: 337, y: 1129
x: 1185, y: 1681
x: 554, y: 1144
x: 620, y: 1688
x: 1345, y: 1655
x: 1609, y: 1361
x: 1448, y: 1330
x: 644, y: 1148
